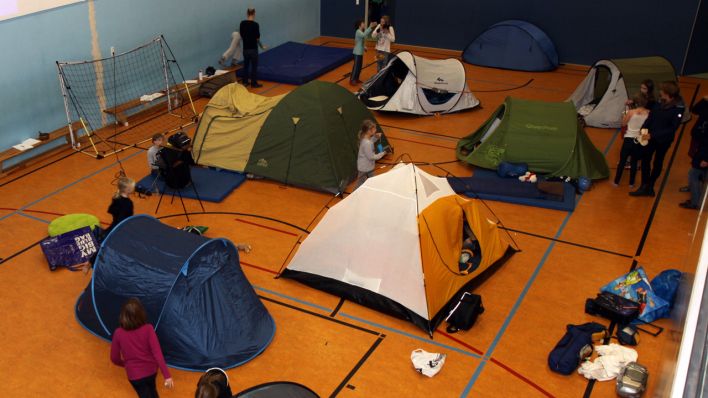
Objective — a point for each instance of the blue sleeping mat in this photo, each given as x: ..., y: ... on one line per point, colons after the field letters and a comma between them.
x: 298, y: 63
x: 487, y: 185
x: 212, y: 185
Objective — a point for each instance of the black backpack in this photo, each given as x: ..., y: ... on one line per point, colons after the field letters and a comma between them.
x: 464, y: 312
x: 613, y: 307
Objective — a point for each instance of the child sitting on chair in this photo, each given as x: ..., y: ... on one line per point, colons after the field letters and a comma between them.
x: 157, y: 141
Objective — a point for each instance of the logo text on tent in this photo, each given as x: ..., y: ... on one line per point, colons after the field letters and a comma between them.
x: 440, y: 80
x: 540, y: 127
x: 262, y: 163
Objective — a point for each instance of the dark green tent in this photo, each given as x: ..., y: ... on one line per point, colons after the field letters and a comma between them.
x: 545, y: 135
x: 307, y: 138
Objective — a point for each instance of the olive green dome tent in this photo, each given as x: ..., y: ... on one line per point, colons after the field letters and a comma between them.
x: 545, y: 135
x: 308, y: 137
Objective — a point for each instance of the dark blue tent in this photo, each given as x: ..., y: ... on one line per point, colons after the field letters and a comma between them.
x: 204, y: 310
x: 513, y: 44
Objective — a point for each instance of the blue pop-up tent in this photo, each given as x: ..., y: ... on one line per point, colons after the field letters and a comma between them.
x: 513, y: 44
x: 204, y: 310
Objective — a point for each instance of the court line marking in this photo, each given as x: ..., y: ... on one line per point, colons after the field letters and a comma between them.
x: 65, y: 187
x: 524, y: 291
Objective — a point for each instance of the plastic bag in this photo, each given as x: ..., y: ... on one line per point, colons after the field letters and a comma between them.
x: 666, y: 284
x: 427, y: 363
x: 635, y: 286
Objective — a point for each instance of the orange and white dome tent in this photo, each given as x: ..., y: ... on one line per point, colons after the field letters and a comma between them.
x: 394, y: 245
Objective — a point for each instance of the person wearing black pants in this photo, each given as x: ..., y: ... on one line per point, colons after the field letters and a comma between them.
x: 145, y: 387
x: 662, y: 123
x: 250, y: 37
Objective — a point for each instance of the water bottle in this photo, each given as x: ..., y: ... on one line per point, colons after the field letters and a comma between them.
x: 201, y: 75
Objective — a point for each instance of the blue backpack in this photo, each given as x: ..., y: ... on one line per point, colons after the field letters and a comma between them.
x: 575, y: 346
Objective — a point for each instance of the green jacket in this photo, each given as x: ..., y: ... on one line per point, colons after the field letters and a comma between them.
x: 359, y: 37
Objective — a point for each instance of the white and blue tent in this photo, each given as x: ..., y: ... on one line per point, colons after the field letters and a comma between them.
x: 513, y: 44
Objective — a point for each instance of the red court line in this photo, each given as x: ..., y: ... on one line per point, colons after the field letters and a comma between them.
x: 501, y: 365
x: 42, y: 212
x: 460, y: 342
x: 520, y: 376
x: 266, y: 227
x: 418, y: 142
x: 258, y: 268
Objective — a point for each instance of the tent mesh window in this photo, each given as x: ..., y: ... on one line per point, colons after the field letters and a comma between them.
x: 104, y: 97
x: 437, y: 97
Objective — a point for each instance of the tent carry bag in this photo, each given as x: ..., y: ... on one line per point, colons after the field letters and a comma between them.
x: 465, y: 312
x: 613, y: 307
x: 573, y: 347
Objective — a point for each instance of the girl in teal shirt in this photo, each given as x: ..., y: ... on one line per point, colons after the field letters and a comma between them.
x: 359, y: 36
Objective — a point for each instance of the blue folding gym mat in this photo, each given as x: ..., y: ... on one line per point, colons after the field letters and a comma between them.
x: 298, y: 63
x: 487, y: 185
x: 212, y: 185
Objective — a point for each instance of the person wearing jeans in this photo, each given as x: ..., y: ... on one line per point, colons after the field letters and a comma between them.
x: 384, y: 35
x: 698, y: 174
x: 251, y: 40
x: 359, y: 36
x: 662, y: 123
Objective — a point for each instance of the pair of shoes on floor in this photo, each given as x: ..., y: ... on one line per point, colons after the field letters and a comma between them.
x: 643, y: 191
x: 685, y: 189
x: 688, y: 205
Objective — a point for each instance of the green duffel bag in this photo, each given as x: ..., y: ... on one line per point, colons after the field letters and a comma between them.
x: 72, y: 222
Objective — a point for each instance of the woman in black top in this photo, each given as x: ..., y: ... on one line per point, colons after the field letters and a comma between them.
x: 662, y: 123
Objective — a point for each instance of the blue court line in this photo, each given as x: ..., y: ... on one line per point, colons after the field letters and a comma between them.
x: 423, y: 339
x: 525, y: 290
x: 19, y: 210
x: 32, y: 217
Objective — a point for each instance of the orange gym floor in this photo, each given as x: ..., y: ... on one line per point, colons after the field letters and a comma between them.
x: 340, y: 348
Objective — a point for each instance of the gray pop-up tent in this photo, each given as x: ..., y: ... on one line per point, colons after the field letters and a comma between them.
x: 417, y: 85
x: 601, y: 96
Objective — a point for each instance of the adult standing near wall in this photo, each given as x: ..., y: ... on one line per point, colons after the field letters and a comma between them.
x: 698, y: 174
x: 662, y: 123
x: 251, y: 40
x: 384, y: 35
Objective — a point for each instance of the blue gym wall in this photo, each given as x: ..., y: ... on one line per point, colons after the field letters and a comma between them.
x: 197, y: 32
x: 583, y: 31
